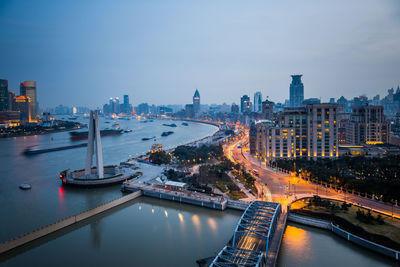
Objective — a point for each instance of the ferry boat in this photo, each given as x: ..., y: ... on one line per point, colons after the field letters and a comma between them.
x: 169, y: 125
x: 84, y: 135
x: 33, y: 151
x: 148, y: 138
x: 167, y: 133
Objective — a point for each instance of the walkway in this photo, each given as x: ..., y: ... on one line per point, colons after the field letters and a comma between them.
x: 253, y: 236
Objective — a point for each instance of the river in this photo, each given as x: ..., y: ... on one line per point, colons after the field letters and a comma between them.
x: 143, y: 232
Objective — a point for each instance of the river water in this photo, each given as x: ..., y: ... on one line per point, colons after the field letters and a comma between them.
x: 143, y: 232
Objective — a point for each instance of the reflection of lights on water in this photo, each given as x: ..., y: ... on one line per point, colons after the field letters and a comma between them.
x: 166, y: 213
x: 180, y: 217
x: 152, y: 210
x: 212, y: 224
x: 297, y: 240
x: 196, y: 221
x: 140, y: 207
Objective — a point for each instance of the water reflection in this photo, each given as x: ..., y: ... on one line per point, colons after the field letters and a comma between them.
x: 212, y: 224
x: 166, y: 213
x: 95, y: 233
x: 181, y: 218
x: 196, y: 223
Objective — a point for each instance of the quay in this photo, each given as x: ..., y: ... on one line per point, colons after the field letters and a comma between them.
x: 193, y: 198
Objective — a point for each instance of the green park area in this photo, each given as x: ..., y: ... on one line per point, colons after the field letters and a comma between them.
x: 373, y: 226
x: 378, y: 177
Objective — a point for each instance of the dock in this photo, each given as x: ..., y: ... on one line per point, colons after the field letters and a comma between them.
x: 193, y: 198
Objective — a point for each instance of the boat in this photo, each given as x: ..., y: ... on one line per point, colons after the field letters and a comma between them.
x: 170, y: 125
x: 167, y: 133
x: 25, y: 186
x: 127, y: 130
x: 185, y: 124
x: 33, y: 151
x: 75, y: 135
x: 148, y: 138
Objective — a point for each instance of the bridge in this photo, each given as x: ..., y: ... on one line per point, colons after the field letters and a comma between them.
x: 252, y: 237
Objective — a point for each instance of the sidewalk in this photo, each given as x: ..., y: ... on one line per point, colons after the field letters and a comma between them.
x: 250, y: 196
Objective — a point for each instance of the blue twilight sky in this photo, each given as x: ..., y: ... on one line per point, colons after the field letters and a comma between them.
x: 83, y: 52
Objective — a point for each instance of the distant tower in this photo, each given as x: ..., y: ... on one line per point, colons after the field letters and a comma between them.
x: 296, y: 91
x: 245, y: 104
x: 94, y: 140
x: 28, y: 88
x: 196, y: 103
x: 126, y: 105
x: 258, y: 102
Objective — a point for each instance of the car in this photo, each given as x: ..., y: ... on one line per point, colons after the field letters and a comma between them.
x: 255, y: 172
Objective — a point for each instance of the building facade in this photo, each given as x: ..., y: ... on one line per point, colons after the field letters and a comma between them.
x: 196, y: 103
x: 367, y: 125
x: 267, y: 110
x: 303, y: 132
x: 3, y: 95
x: 296, y: 96
x: 23, y: 105
x: 245, y: 104
x: 257, y: 105
x: 28, y: 89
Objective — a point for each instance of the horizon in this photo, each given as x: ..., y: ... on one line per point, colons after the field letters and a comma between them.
x: 225, y: 49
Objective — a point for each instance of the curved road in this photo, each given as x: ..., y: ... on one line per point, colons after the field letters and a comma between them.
x: 284, y: 188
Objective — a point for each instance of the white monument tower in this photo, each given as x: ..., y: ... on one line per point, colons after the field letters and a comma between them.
x: 94, y: 140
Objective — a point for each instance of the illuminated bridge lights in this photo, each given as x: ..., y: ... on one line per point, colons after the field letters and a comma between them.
x: 230, y: 256
x: 252, y: 236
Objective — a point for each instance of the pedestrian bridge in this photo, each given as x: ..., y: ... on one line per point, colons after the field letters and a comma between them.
x: 252, y: 236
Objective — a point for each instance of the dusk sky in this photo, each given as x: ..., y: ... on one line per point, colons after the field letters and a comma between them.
x: 83, y: 52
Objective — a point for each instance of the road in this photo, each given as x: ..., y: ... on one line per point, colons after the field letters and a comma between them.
x: 284, y: 188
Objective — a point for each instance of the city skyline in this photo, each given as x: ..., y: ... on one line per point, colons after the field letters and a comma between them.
x: 250, y: 48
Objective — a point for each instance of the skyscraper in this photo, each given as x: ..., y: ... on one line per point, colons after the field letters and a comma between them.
x: 3, y: 95
x: 245, y: 104
x: 257, y: 102
x: 126, y: 106
x: 11, y: 96
x: 267, y: 110
x: 23, y: 105
x: 28, y: 88
x: 296, y: 91
x: 196, y: 103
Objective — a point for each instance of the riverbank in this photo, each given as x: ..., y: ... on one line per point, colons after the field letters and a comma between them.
x: 379, y: 236
x: 39, y: 130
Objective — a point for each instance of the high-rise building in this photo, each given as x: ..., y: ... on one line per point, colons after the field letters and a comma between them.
x: 3, y: 95
x: 296, y: 91
x: 196, y: 103
x: 142, y: 109
x: 367, y: 125
x: 11, y: 96
x: 257, y: 102
x: 234, y: 108
x: 23, y: 105
x: 126, y: 106
x: 302, y: 132
x: 245, y: 104
x: 267, y: 110
x: 28, y: 88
